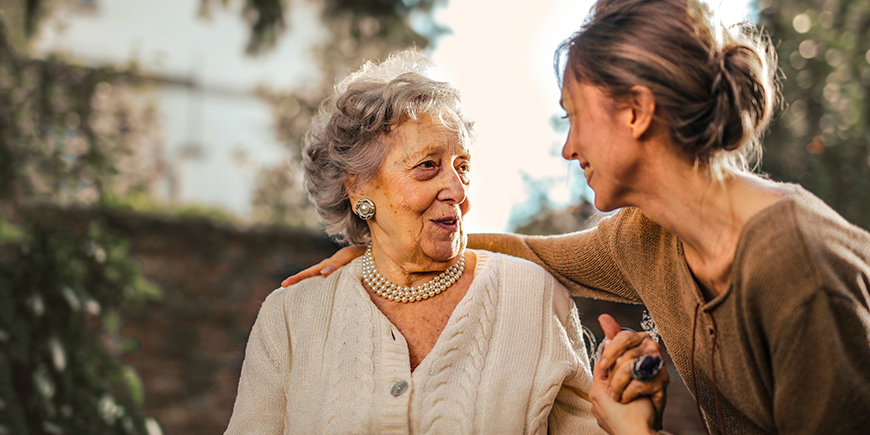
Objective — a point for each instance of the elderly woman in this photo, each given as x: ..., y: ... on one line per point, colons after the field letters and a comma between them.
x: 419, y: 335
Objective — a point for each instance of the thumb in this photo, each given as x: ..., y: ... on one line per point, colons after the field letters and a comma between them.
x: 609, y: 325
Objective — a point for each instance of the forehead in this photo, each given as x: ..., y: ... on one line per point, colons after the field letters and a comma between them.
x: 570, y: 91
x: 576, y: 94
x: 429, y: 135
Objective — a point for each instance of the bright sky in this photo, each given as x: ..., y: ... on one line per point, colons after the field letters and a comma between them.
x: 501, y: 58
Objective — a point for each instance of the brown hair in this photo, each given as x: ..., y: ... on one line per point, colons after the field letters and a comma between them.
x: 714, y: 87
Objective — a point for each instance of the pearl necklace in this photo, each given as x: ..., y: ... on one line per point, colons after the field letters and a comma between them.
x: 397, y: 293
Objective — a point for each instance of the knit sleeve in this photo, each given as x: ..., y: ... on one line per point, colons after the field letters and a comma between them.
x: 821, y: 365
x: 261, y: 401
x: 584, y: 262
x: 571, y: 409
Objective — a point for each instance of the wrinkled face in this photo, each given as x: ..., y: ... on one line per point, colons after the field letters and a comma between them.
x: 420, y: 194
x: 600, y: 140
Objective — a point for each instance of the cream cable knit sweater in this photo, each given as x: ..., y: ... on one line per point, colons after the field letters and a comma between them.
x: 323, y: 359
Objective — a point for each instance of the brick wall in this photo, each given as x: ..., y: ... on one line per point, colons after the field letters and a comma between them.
x: 192, y: 342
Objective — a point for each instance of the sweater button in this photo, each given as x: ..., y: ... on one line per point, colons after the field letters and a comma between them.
x: 399, y: 388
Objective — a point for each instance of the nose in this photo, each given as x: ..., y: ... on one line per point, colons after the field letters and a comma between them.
x: 568, y: 152
x: 454, y: 189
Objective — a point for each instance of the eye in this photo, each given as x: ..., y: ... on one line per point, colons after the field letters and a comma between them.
x: 464, y: 170
x: 426, y: 170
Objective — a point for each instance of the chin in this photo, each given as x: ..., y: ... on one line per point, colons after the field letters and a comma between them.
x: 447, y: 250
x: 607, y: 203
x: 605, y: 207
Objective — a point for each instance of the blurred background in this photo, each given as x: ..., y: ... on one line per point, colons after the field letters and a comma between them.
x: 151, y: 192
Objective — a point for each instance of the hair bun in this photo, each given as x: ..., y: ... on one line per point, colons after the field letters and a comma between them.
x: 741, y: 101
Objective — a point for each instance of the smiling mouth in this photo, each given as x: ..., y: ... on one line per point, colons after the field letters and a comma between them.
x: 448, y: 222
x: 587, y: 171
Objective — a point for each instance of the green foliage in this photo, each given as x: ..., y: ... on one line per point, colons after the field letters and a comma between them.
x: 70, y: 133
x: 822, y: 138
x: 63, y: 139
x: 61, y: 288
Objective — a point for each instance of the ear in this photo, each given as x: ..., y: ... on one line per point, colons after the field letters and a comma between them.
x: 354, y: 191
x: 643, y: 107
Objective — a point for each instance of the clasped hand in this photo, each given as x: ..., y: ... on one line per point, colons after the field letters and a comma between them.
x: 621, y: 403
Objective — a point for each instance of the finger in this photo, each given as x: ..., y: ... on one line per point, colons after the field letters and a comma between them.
x: 620, y: 374
x: 609, y: 325
x: 645, y: 347
x: 599, y: 394
x: 305, y: 274
x: 611, y: 329
x: 600, y: 373
x: 326, y: 267
x: 342, y: 257
x: 621, y: 377
x: 659, y: 401
x: 658, y: 385
x: 347, y: 254
x: 618, y: 345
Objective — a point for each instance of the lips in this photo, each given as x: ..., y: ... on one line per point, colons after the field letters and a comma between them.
x: 448, y: 222
x: 587, y: 170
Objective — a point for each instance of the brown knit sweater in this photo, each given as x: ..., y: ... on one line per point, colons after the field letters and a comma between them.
x: 786, y: 349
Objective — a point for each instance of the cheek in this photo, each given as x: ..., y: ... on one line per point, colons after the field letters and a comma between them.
x: 408, y: 200
x: 465, y: 206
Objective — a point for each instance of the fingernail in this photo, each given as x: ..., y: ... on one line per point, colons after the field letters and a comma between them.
x: 327, y: 270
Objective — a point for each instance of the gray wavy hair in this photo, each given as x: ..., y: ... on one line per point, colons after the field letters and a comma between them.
x: 347, y: 134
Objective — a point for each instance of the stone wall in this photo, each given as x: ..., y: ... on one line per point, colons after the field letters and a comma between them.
x: 192, y: 342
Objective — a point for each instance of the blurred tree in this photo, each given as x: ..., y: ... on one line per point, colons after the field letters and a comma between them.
x: 379, y: 18
x: 66, y: 137
x: 822, y: 138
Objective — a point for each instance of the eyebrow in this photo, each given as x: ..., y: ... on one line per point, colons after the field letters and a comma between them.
x: 435, y: 149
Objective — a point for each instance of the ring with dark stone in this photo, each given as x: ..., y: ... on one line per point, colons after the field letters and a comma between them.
x: 644, y: 368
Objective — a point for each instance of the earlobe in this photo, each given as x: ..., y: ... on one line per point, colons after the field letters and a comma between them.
x: 643, y: 107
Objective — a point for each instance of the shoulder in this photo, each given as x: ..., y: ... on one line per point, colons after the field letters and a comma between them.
x: 508, y: 267
x: 635, y: 237
x: 521, y: 281
x: 313, y: 294
x: 824, y: 231
x: 800, y: 245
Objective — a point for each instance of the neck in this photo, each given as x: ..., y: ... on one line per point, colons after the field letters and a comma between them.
x: 409, y: 272
x: 707, y: 215
x: 400, y: 293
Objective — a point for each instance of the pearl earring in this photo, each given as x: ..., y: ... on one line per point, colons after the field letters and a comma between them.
x: 365, y: 209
